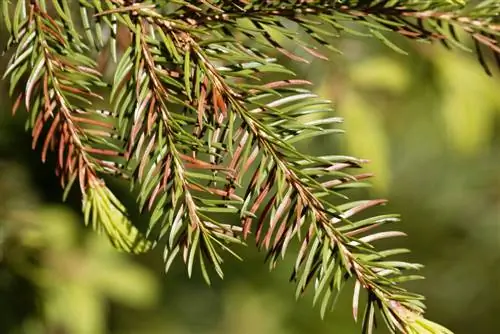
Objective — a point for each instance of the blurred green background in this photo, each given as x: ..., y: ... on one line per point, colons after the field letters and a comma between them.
x: 428, y: 121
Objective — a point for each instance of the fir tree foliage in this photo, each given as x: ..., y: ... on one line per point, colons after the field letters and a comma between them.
x: 204, y: 137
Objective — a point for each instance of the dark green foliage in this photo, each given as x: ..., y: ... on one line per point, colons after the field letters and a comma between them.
x: 203, y: 135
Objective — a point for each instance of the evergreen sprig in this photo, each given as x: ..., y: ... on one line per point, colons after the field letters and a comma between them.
x: 59, y: 86
x: 204, y: 134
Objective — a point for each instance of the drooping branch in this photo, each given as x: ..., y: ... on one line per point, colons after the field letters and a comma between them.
x: 60, y: 81
x: 163, y: 153
x: 321, y: 20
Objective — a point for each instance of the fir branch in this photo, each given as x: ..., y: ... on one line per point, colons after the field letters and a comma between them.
x: 325, y: 248
x: 60, y: 81
x: 163, y: 154
x: 423, y: 20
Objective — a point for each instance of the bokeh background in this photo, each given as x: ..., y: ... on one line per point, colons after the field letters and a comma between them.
x: 429, y: 122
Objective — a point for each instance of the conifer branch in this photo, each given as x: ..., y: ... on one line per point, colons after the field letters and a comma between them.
x: 432, y: 20
x: 60, y: 80
x: 158, y: 148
